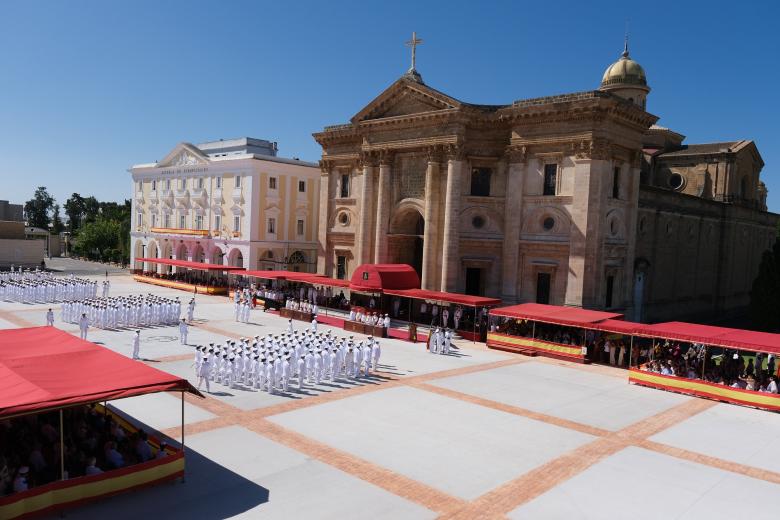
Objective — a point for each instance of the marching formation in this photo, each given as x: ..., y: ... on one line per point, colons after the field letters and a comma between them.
x: 42, y: 287
x: 271, y: 362
x: 122, y: 311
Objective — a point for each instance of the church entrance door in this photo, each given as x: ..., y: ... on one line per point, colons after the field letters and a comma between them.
x: 474, y: 281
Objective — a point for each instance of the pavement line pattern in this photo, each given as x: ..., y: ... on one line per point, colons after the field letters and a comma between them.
x: 11, y: 317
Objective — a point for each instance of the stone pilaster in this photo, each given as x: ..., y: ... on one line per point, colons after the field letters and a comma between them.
x: 383, y: 208
x: 431, y: 260
x: 451, y: 246
x: 365, y: 254
x: 324, y: 263
x: 513, y: 211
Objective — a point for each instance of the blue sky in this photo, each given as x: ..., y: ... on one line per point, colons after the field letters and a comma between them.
x: 88, y: 88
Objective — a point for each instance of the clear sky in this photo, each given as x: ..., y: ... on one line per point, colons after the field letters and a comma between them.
x: 88, y: 88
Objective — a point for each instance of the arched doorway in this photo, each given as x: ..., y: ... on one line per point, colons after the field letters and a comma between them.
x: 296, y: 261
x: 198, y: 255
x: 181, y: 254
x: 217, y: 256
x: 407, y: 229
x: 167, y: 252
x: 236, y: 258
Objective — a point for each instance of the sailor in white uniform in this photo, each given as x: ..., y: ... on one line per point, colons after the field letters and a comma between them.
x: 83, y: 326
x: 50, y: 318
x: 183, y: 332
x: 136, y: 344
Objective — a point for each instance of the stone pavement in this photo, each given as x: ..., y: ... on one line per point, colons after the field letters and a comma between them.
x: 479, y: 434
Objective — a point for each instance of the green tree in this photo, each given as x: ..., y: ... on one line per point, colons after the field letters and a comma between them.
x: 74, y: 209
x: 56, y: 221
x: 765, y: 295
x: 95, y: 239
x: 91, y: 209
x: 38, y: 209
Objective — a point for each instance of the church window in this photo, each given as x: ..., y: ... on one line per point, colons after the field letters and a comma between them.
x: 182, y: 221
x: 236, y: 223
x: 613, y: 227
x: 478, y: 222
x: 217, y: 222
x: 548, y: 223
x: 167, y: 220
x: 238, y: 181
x: 341, y: 267
x: 344, y: 186
x: 271, y: 226
x: 676, y: 181
x: 344, y: 219
x: 272, y: 183
x: 550, y: 178
x: 269, y: 255
x: 300, y: 227
x: 139, y: 219
x: 480, y: 182
x: 154, y: 185
x: 616, y: 183
x: 198, y: 221
x: 302, y: 186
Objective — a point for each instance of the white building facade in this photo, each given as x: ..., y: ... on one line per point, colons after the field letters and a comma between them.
x: 231, y: 202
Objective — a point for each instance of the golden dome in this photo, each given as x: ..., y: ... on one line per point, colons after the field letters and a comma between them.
x: 624, y: 72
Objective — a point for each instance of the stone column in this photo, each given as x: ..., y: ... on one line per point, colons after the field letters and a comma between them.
x: 323, y: 261
x: 431, y: 260
x: 365, y: 254
x: 383, y: 208
x: 451, y: 247
x: 513, y: 212
x: 592, y: 177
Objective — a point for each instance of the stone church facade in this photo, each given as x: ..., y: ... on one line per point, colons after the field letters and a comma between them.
x: 576, y: 199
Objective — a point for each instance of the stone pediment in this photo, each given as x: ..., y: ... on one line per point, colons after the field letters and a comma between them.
x: 185, y: 154
x: 403, y: 98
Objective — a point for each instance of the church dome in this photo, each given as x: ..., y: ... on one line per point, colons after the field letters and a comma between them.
x: 624, y: 72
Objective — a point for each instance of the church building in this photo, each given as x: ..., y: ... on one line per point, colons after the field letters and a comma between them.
x: 576, y: 199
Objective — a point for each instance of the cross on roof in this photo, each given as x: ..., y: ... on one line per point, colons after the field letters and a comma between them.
x: 413, y: 43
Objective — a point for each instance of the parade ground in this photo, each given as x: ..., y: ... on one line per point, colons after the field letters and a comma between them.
x: 474, y: 434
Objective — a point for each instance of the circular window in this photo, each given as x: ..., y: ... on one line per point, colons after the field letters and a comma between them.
x: 548, y: 223
x: 344, y: 219
x: 478, y: 222
x: 676, y: 181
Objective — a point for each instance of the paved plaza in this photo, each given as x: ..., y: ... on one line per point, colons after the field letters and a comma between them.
x: 477, y: 434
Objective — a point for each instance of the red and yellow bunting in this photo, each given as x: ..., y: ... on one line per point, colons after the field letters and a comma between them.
x: 202, y: 289
x: 496, y: 339
x: 83, y: 489
x: 700, y: 388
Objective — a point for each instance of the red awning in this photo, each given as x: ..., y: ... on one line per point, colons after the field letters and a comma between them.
x: 462, y: 299
x: 190, y: 265
x: 714, y: 336
x: 572, y: 316
x: 44, y: 368
x: 329, y: 282
x: 279, y: 275
x: 380, y: 277
x: 618, y: 326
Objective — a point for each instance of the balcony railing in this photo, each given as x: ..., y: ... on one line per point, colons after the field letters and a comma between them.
x: 180, y: 231
x: 237, y: 195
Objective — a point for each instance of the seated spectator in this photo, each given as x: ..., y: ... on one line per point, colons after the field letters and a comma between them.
x: 92, y: 468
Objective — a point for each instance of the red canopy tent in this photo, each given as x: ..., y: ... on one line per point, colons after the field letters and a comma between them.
x: 462, y: 299
x: 200, y: 266
x: 294, y: 276
x: 712, y: 335
x: 571, y: 316
x: 377, y: 278
x: 45, y: 368
x: 617, y: 326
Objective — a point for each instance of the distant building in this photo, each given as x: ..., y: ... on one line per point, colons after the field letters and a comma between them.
x: 575, y: 199
x: 16, y: 249
x: 231, y: 201
x: 11, y: 212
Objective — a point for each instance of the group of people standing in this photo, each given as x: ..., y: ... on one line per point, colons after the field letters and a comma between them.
x: 124, y: 311
x: 272, y: 362
x: 440, y: 341
x: 374, y: 319
x: 42, y: 287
